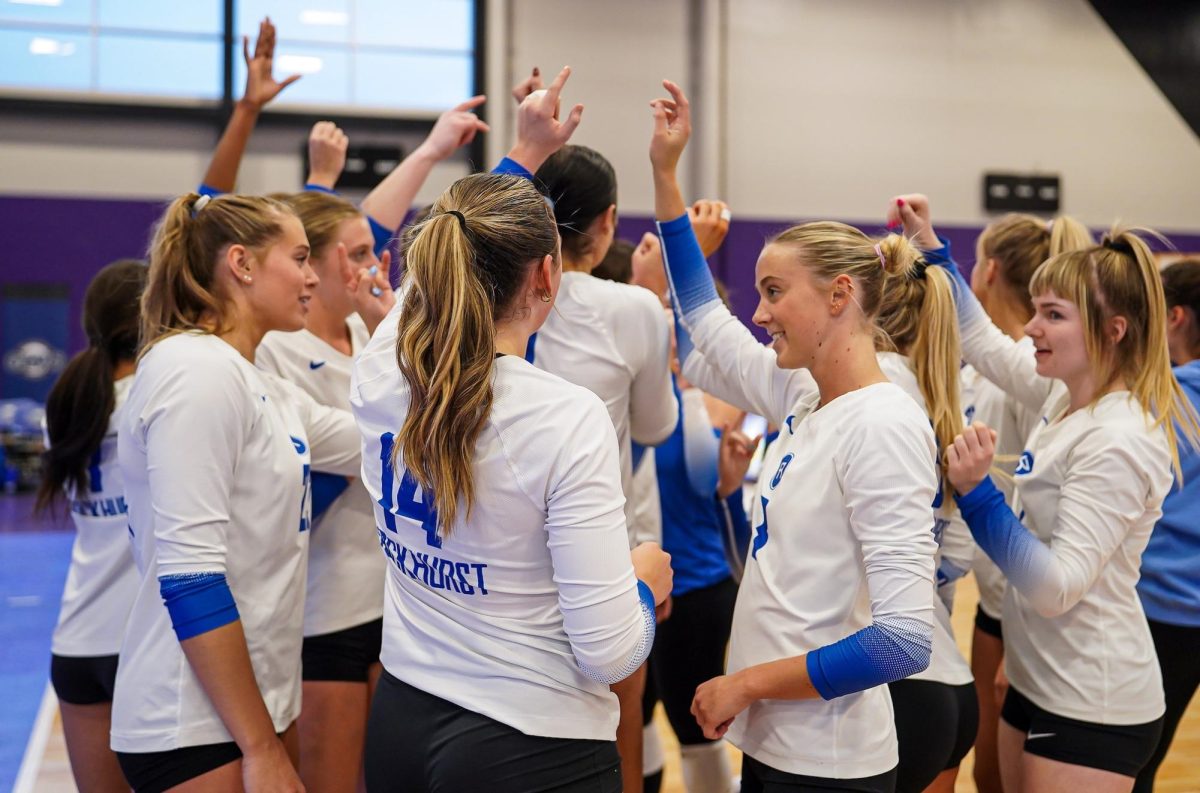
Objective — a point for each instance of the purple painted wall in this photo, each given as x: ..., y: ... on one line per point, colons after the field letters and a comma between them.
x: 66, y: 240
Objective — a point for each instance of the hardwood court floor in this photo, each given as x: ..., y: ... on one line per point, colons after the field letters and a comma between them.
x: 1180, y: 772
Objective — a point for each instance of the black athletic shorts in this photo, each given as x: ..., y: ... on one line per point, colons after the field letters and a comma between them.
x: 1120, y: 748
x: 935, y: 728
x: 154, y: 772
x: 344, y: 656
x: 761, y: 778
x: 80, y: 680
x: 988, y: 624
x: 417, y: 743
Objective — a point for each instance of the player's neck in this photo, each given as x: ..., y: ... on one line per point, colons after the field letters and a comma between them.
x: 329, y: 326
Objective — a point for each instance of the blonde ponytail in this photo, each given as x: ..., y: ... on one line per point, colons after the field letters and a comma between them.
x: 465, y: 265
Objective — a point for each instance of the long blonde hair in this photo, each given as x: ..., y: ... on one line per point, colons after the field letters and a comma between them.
x: 181, y: 288
x: 918, y: 319
x: 462, y: 274
x: 1119, y: 277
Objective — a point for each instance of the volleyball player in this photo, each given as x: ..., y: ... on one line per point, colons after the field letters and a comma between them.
x: 1170, y: 582
x: 216, y: 458
x: 836, y: 598
x: 83, y: 411
x: 343, y: 612
x: 511, y: 600
x: 1006, y: 255
x: 1085, y: 703
x: 610, y: 338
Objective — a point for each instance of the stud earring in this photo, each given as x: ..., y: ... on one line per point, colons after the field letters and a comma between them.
x: 546, y: 297
x: 246, y: 278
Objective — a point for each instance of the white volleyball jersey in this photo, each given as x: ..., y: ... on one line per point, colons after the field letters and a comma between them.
x: 946, y: 662
x: 842, y: 518
x: 647, y: 507
x: 1013, y: 423
x: 613, y: 339
x: 498, y: 615
x: 215, y: 455
x: 345, y: 568
x: 102, y: 578
x: 1090, y: 485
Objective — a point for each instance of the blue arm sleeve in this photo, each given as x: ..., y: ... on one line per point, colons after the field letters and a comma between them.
x: 211, y: 192
x: 382, y: 234
x: 641, y: 652
x: 319, y: 188
x: 687, y: 272
x: 968, y: 306
x: 881, y: 653
x: 736, y: 537
x: 1014, y: 549
x: 511, y: 166
x: 197, y: 602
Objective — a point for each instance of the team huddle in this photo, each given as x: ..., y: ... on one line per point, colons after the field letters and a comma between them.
x: 464, y: 535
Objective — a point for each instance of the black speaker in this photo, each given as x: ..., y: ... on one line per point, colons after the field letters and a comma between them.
x: 366, y: 166
x: 1007, y: 192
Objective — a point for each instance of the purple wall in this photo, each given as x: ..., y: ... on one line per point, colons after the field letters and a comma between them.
x: 66, y: 240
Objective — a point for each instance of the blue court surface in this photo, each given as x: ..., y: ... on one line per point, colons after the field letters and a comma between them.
x: 33, y: 567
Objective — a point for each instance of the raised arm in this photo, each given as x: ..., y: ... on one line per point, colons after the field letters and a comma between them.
x: 261, y: 88
x: 387, y: 204
x: 997, y: 357
x: 327, y: 145
x: 735, y: 366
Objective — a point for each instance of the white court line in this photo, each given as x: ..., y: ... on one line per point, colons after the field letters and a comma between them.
x: 31, y: 763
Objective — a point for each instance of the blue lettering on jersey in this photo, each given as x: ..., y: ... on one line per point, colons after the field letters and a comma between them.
x: 760, y: 531
x: 1025, y: 464
x: 970, y: 411
x: 95, y: 483
x: 788, y: 421
x: 100, y: 507
x: 435, y: 572
x: 314, y: 365
x: 306, y: 482
x: 783, y: 464
x: 407, y: 501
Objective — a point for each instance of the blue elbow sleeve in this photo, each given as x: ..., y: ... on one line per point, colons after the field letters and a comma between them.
x: 641, y: 651
x: 325, y: 490
x: 197, y: 602
x: 382, y: 234
x: 1014, y: 549
x: 880, y: 653
x: 691, y: 282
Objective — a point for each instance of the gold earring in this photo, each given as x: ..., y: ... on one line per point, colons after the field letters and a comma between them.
x: 546, y: 297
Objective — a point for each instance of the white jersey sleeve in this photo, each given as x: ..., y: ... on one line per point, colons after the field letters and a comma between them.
x: 194, y: 428
x: 646, y: 342
x: 732, y: 365
x: 336, y: 445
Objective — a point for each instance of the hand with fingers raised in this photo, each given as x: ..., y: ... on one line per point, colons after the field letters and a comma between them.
x: 372, y: 294
x: 672, y: 128
x: 911, y: 212
x: 540, y: 132
x: 327, y: 146
x: 454, y: 129
x: 734, y: 456
x: 527, y: 86
x: 261, y: 85
x: 710, y: 221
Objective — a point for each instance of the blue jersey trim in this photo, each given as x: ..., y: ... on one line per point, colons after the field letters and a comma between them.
x: 319, y: 188
x: 382, y: 234
x: 511, y: 166
x: 197, y: 602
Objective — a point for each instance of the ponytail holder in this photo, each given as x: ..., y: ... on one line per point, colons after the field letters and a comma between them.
x: 201, y: 203
x: 1050, y: 226
x: 917, y: 272
x: 462, y: 221
x: 882, y: 258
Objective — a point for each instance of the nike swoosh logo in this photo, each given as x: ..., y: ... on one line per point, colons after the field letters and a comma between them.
x: 1035, y: 735
x: 315, y: 364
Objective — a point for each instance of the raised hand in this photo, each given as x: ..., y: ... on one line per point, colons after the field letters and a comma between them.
x: 733, y: 459
x: 327, y: 146
x: 970, y: 458
x: 527, y: 86
x: 540, y: 133
x: 672, y: 128
x: 710, y: 221
x: 455, y: 128
x: 261, y: 86
x: 652, y: 566
x: 911, y: 212
x: 372, y: 294
x: 647, y: 265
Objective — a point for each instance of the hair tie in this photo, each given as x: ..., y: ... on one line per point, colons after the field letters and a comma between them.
x: 882, y: 258
x: 1050, y: 226
x: 201, y: 203
x: 462, y: 220
x: 918, y: 270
